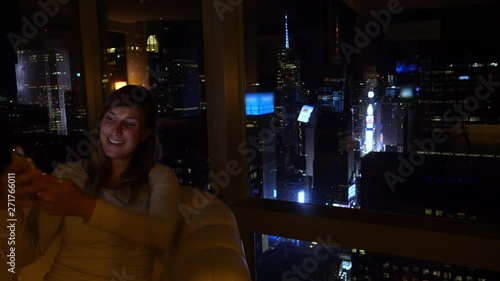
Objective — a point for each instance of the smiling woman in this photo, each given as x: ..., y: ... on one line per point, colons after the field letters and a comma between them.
x: 115, y: 212
x: 129, y: 142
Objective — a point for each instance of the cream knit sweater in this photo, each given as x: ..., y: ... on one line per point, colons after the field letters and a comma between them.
x: 117, y: 243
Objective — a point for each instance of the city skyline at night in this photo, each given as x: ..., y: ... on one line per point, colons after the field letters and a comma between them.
x: 393, y: 150
x: 391, y: 95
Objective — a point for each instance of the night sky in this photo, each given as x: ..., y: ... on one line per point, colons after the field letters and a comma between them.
x: 8, y: 56
x: 465, y: 31
x: 469, y: 30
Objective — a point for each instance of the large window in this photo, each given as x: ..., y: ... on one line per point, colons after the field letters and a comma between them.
x: 281, y: 258
x: 383, y: 106
x: 43, y: 95
x: 370, y: 109
x: 152, y: 44
x: 370, y: 124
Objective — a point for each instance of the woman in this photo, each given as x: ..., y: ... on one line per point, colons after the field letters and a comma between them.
x: 116, y: 211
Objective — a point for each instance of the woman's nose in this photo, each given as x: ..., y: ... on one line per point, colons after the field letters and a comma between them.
x: 116, y: 128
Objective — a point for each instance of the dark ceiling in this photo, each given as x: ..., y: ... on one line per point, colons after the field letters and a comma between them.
x: 367, y: 5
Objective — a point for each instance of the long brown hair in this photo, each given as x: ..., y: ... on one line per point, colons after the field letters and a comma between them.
x: 144, y: 157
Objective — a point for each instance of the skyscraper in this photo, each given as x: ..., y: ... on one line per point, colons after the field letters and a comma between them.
x: 43, y: 78
x: 454, y: 97
x: 175, y: 68
x: 262, y: 181
x: 338, y: 74
x: 287, y: 98
x: 185, y: 86
x: 333, y: 157
x: 446, y: 185
x: 115, y: 66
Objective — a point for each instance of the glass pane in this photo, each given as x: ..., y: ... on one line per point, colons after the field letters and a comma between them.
x: 42, y: 92
x: 378, y: 106
x: 159, y: 45
x: 280, y: 259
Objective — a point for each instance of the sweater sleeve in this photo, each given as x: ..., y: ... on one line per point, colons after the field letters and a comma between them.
x: 31, y: 233
x: 34, y: 230
x: 155, y: 229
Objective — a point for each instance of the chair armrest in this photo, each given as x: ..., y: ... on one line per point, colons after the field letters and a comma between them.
x: 209, y: 245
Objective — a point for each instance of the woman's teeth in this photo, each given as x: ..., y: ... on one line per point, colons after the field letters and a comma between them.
x: 115, y: 141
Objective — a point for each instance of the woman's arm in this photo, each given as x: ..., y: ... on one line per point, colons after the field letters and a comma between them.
x: 155, y: 229
x: 32, y: 230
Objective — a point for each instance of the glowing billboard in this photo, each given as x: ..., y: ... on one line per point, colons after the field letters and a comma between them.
x: 368, y: 141
x: 259, y: 103
x: 301, y: 197
x: 305, y: 113
x: 352, y: 192
x: 369, y: 110
x: 369, y: 122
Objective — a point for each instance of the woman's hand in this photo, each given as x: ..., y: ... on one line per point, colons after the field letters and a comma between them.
x: 61, y: 197
x: 20, y: 172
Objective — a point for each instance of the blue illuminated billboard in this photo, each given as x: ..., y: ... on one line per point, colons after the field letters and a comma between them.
x: 405, y: 68
x: 259, y: 103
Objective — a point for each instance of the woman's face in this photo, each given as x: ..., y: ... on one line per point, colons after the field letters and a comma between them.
x: 122, y: 130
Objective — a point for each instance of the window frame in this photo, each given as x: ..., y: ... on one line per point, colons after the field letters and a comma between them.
x: 91, y: 55
x: 426, y: 238
x: 411, y: 236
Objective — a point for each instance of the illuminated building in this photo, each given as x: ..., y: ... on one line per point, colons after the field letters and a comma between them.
x: 43, y: 78
x: 289, y: 87
x: 451, y: 98
x: 176, y: 81
x: 372, y: 117
x: 115, y: 62
x: 334, y: 157
x: 393, y: 124
x: 261, y: 145
x: 372, y: 266
x: 393, y: 120
x: 447, y: 185
x: 159, y: 71
x: 296, y: 187
x: 332, y: 93
x: 185, y: 86
x: 175, y: 75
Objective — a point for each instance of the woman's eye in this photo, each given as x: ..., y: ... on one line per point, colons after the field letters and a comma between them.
x: 129, y: 124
